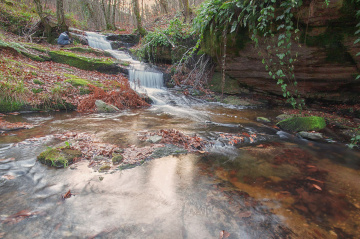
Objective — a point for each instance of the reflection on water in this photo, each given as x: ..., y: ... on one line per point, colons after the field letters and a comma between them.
x: 273, y: 186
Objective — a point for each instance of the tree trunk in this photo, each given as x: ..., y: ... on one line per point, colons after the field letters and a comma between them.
x: 186, y: 10
x: 140, y: 28
x: 164, y: 6
x: 60, y: 15
x: 115, y: 4
x: 48, y: 28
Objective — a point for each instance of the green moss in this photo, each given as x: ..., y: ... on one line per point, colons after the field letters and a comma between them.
x: 117, y: 158
x: 10, y: 105
x: 297, y: 124
x: 84, y: 63
x: 231, y: 85
x: 90, y: 50
x: 36, y: 91
x: 104, y: 168
x: 58, y: 157
x: 78, y: 82
x: 38, y: 82
x: 332, y: 40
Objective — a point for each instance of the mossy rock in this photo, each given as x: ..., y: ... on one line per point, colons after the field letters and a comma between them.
x: 84, y: 63
x: 104, y: 168
x: 263, y: 120
x: 231, y: 85
x: 90, y: 50
x: 59, y: 157
x: 117, y: 159
x: 296, y: 124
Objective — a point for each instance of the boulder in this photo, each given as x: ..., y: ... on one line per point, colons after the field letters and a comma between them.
x: 102, y: 107
x: 263, y: 120
x: 296, y: 124
x: 311, y: 135
x: 59, y: 157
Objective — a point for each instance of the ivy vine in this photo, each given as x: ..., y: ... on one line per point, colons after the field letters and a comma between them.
x: 270, y: 23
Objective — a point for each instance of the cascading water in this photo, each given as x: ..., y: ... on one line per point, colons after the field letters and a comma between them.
x: 98, y: 41
x: 140, y: 74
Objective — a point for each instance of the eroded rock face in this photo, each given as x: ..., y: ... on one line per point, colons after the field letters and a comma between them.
x: 326, y: 65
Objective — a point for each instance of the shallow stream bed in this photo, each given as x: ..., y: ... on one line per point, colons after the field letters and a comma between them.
x: 270, y: 184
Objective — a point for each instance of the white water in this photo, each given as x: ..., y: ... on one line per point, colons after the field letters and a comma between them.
x: 140, y: 74
x: 98, y: 41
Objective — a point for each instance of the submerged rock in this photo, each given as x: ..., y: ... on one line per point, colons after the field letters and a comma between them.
x: 155, y: 139
x: 263, y: 120
x: 102, y: 107
x: 117, y: 159
x: 296, y: 124
x: 311, y: 135
x: 59, y: 157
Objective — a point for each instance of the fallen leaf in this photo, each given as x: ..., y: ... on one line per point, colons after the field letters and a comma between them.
x: 245, y: 214
x: 317, y: 187
x: 224, y: 234
x: 67, y: 195
x: 8, y: 177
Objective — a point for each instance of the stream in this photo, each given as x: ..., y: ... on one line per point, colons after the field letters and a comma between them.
x: 269, y: 184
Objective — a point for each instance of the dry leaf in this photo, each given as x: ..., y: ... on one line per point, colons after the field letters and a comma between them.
x: 224, y: 234
x: 317, y: 187
x: 8, y: 177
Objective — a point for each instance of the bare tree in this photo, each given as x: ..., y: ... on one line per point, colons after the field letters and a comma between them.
x: 136, y: 8
x: 60, y: 15
x: 164, y: 6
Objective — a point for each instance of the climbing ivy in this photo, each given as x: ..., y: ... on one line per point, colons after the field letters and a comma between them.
x: 270, y: 23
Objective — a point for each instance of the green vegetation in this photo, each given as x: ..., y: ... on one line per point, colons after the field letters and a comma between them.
x: 84, y: 63
x: 117, y: 158
x: 14, y: 16
x: 104, y: 168
x: 167, y: 42
x: 59, y: 157
x: 78, y: 82
x: 297, y: 124
x: 38, y: 82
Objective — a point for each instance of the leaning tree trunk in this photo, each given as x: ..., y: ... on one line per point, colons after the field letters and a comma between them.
x: 140, y: 28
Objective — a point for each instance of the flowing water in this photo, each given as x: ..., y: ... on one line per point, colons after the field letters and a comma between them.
x: 269, y: 184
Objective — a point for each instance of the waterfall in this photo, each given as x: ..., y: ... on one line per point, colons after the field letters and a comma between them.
x: 140, y: 74
x: 98, y: 41
x: 146, y: 78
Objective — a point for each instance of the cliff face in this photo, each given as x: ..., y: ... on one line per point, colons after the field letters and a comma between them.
x: 326, y: 65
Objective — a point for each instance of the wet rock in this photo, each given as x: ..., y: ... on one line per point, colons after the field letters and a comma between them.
x: 102, y: 107
x: 155, y: 139
x: 104, y: 168
x: 168, y: 150
x: 296, y: 124
x: 59, y: 157
x: 284, y: 117
x: 263, y: 120
x: 311, y: 135
x: 117, y: 159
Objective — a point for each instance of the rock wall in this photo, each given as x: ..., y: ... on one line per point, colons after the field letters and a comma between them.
x: 326, y: 65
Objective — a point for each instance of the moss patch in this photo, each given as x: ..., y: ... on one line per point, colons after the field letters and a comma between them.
x: 58, y: 157
x: 297, y: 124
x: 231, y: 85
x: 78, y: 82
x: 84, y: 63
x: 117, y: 159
